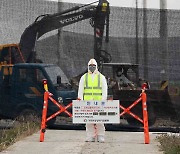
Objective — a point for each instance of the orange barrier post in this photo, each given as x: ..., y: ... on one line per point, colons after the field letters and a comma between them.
x: 142, y: 98
x: 145, y: 118
x: 44, y: 112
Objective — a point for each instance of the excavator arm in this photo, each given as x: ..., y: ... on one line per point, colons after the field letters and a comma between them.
x: 45, y: 23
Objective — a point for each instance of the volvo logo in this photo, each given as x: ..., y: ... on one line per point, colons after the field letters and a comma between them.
x: 71, y: 19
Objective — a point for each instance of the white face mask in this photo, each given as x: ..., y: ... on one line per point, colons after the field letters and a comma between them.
x: 92, y: 68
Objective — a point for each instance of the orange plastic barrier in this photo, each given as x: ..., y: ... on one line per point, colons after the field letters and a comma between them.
x: 143, y: 99
x: 47, y: 96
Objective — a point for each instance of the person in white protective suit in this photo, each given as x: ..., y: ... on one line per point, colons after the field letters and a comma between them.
x: 93, y: 86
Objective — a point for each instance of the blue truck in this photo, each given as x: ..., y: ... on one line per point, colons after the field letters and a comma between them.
x: 21, y: 89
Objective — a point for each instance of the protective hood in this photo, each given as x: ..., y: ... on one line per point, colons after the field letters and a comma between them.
x: 92, y: 62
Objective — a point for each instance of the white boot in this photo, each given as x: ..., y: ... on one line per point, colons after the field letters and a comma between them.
x: 100, y: 138
x: 90, y: 133
x: 90, y: 139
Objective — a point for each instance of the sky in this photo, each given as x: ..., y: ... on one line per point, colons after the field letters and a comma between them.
x: 171, y: 4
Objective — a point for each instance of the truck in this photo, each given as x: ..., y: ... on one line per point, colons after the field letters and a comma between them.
x: 19, y: 96
x: 22, y: 89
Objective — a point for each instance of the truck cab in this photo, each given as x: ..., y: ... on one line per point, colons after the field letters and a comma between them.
x: 21, y: 88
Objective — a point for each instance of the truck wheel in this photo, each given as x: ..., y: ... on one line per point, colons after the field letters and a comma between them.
x: 151, y: 118
x: 28, y: 115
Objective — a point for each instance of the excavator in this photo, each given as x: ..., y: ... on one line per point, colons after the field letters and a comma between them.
x: 18, y: 62
x: 21, y: 90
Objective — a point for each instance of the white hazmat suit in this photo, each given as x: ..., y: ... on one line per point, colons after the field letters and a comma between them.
x: 93, y: 130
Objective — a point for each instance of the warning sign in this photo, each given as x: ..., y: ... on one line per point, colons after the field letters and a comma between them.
x: 96, y: 111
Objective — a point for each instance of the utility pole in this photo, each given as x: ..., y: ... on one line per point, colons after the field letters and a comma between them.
x: 137, y: 32
x: 137, y: 39
x: 145, y: 40
x: 164, y: 39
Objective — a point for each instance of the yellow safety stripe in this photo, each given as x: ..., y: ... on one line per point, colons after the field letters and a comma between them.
x: 92, y: 93
x: 92, y: 88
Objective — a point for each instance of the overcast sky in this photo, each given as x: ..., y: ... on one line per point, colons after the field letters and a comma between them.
x: 171, y: 4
